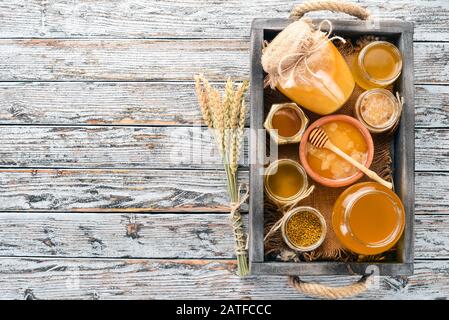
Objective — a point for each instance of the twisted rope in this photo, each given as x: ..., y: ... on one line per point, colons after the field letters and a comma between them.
x: 323, y: 291
x: 332, y: 5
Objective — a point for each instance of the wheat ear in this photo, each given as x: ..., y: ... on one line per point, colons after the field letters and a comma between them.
x: 238, y: 124
x: 203, y: 100
x: 218, y: 118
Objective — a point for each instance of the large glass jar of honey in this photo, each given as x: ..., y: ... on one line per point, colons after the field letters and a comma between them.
x: 368, y: 218
x: 324, y: 85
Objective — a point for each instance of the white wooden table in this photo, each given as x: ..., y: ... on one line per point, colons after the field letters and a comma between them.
x: 91, y: 95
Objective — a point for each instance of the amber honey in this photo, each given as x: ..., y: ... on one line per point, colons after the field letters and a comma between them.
x: 285, y: 180
x: 377, y: 65
x: 368, y: 218
x: 346, y: 137
x: 326, y: 85
x: 286, y: 121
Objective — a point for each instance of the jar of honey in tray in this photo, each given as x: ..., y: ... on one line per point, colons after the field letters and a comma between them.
x: 368, y: 218
x: 286, y: 123
x: 377, y: 65
x: 327, y: 85
x: 285, y: 181
x: 378, y: 109
x: 304, y: 65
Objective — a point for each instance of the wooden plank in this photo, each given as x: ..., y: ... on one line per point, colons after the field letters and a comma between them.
x: 191, y: 236
x: 114, y: 190
x: 112, y: 103
x: 154, y: 190
x: 432, y: 236
x: 104, y: 146
x: 152, y: 147
x: 432, y: 193
x: 184, y: 18
x: 142, y: 60
x: 195, y: 279
x: 125, y: 60
x: 146, y: 103
x: 432, y: 149
x: 186, y: 236
x: 431, y: 106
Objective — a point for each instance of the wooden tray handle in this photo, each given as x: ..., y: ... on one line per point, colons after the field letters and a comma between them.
x: 318, y: 290
x: 332, y: 5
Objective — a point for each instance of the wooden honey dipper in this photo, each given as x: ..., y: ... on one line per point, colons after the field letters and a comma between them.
x: 319, y: 139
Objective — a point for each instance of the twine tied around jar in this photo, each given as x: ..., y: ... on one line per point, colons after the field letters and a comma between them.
x: 293, y: 54
x: 236, y: 220
x: 296, y: 64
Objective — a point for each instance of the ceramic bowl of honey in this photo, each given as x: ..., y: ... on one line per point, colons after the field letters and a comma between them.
x: 286, y: 123
x: 323, y: 165
x: 368, y: 218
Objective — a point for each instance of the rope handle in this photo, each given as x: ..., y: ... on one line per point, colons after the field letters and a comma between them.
x: 322, y: 291
x: 331, y: 5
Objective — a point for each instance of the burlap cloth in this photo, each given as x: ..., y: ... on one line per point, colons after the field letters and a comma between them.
x: 323, y: 198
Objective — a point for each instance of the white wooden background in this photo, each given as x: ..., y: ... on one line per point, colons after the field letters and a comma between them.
x: 91, y: 92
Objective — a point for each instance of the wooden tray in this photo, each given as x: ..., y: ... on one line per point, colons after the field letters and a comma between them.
x: 400, y: 33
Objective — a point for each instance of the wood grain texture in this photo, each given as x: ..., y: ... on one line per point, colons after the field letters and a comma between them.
x: 190, y: 18
x: 186, y: 236
x: 191, y: 236
x: 114, y: 190
x: 144, y: 60
x: 106, y: 103
x: 432, y: 149
x: 432, y: 193
x: 431, y: 106
x: 153, y: 147
x: 193, y: 279
x: 144, y: 103
x: 105, y: 146
x: 154, y: 190
x: 125, y: 60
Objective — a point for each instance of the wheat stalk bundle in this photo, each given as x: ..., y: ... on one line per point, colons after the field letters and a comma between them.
x: 225, y: 116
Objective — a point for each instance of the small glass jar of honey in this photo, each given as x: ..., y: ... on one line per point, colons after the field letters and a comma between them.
x: 285, y: 181
x: 368, y: 218
x: 378, y: 110
x: 286, y: 123
x: 377, y: 65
